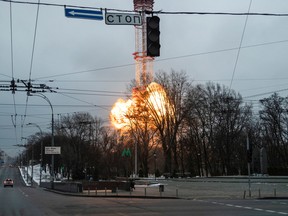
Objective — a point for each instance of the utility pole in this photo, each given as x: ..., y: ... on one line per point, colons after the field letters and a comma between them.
x: 41, y: 154
x: 37, y: 90
x: 249, y: 158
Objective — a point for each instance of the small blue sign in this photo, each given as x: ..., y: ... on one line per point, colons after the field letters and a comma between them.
x: 83, y: 14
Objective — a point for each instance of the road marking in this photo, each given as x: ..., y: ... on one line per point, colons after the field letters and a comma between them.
x: 229, y: 205
x: 257, y: 209
x: 245, y: 207
x: 23, y: 193
x: 281, y: 203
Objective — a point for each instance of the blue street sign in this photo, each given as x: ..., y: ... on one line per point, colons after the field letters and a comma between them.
x: 83, y: 14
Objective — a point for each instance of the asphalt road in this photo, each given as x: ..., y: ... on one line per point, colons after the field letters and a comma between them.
x: 24, y: 201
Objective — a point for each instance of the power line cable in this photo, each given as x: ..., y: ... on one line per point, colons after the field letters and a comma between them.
x: 153, y: 12
x: 60, y: 105
x: 240, y: 45
x: 197, y: 80
x: 218, y: 13
x: 93, y: 94
x: 31, y: 63
x: 5, y: 74
x: 91, y: 81
x: 34, y: 40
x: 11, y: 41
x: 160, y: 60
x: 265, y: 93
x: 85, y: 90
x: 87, y: 71
x: 12, y: 70
x: 84, y: 101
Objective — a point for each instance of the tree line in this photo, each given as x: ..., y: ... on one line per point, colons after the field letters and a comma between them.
x: 195, y: 130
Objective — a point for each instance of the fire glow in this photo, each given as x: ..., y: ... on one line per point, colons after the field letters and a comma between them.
x: 153, y: 99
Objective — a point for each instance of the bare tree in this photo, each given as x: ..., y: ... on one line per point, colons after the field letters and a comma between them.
x: 273, y: 120
x: 77, y: 142
x: 168, y: 114
x: 216, y: 121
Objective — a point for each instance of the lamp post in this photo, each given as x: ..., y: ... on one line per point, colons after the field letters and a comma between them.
x: 27, y: 160
x: 52, y: 128
x: 41, y: 154
x: 248, y: 164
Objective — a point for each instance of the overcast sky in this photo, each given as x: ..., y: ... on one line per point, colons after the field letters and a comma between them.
x: 77, y: 54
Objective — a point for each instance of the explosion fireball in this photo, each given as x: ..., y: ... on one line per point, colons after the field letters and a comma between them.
x: 153, y: 98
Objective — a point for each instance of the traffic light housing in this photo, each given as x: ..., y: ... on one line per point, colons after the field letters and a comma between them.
x: 153, y: 36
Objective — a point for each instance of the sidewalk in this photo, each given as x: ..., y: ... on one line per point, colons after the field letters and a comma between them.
x: 221, y: 187
x: 235, y: 187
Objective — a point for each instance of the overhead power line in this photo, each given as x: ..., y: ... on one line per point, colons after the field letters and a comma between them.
x: 87, y: 71
x: 240, y: 46
x: 158, y: 60
x: 220, y: 13
x: 91, y: 104
x: 90, y: 90
x: 34, y: 41
x: 153, y: 12
x: 265, y: 93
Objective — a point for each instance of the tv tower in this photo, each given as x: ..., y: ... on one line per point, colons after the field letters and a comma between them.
x: 144, y: 63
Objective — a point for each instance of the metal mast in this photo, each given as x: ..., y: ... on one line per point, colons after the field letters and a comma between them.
x: 144, y: 63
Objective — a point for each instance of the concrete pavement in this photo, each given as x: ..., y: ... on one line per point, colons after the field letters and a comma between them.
x: 204, y: 188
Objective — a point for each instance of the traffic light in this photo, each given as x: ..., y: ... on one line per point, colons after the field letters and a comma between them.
x: 153, y: 36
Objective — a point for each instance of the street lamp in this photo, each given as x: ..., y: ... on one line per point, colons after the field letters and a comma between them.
x: 52, y: 126
x: 41, y: 154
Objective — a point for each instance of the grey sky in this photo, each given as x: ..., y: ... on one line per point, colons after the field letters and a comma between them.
x: 64, y: 46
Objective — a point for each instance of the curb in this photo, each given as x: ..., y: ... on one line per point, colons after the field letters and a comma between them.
x: 110, y: 196
x: 274, y: 198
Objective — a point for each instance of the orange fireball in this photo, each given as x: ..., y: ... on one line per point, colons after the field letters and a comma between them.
x: 119, y: 112
x: 152, y: 100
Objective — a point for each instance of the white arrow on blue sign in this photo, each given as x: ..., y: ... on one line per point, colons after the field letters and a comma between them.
x: 83, y: 14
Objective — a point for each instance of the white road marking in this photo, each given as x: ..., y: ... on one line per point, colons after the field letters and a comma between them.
x: 248, y: 207
x: 24, y: 194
